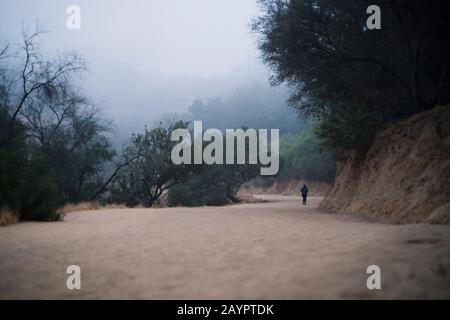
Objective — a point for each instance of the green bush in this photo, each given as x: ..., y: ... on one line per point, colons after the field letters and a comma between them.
x: 39, y: 201
x: 302, y: 157
x: 27, y: 185
x: 217, y: 198
x: 181, y: 195
x: 348, y: 129
x: 215, y: 185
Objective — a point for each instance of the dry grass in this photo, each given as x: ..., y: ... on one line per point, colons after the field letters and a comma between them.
x: 89, y: 206
x: 7, y: 217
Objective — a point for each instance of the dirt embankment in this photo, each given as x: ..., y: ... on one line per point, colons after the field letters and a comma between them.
x: 405, y: 176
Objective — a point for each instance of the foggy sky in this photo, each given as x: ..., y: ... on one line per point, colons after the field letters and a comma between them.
x: 148, y: 57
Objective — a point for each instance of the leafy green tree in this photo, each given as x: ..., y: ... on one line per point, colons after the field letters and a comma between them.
x: 342, y: 72
x: 213, y: 185
x: 149, y: 169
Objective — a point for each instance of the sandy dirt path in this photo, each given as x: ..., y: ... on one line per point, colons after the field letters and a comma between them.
x: 273, y: 250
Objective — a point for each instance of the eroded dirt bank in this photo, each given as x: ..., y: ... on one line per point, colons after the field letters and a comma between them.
x: 273, y: 250
x: 405, y: 175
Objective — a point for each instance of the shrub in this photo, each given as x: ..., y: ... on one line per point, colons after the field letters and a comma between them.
x: 27, y: 185
x: 7, y: 217
x: 217, y: 198
x: 182, y: 195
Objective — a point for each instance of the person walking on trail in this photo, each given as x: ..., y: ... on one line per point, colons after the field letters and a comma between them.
x: 304, y: 192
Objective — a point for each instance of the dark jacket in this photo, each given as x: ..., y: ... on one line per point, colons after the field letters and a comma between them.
x: 304, y: 191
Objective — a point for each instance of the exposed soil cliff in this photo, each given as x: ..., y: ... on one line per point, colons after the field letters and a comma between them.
x: 404, y: 177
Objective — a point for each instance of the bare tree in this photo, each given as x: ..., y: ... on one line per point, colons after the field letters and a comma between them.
x: 38, y: 75
x: 39, y: 95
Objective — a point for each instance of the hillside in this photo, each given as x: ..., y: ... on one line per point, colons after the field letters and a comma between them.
x: 404, y: 176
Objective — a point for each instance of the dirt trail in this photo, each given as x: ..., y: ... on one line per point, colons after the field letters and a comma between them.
x: 273, y: 250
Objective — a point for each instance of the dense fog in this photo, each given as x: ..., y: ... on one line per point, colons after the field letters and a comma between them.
x: 148, y: 59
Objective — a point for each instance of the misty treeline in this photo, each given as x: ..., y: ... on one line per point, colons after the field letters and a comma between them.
x: 301, y: 153
x: 55, y: 144
x: 352, y: 79
x: 252, y: 106
x: 257, y: 106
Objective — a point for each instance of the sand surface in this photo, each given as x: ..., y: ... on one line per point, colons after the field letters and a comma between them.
x: 274, y: 250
